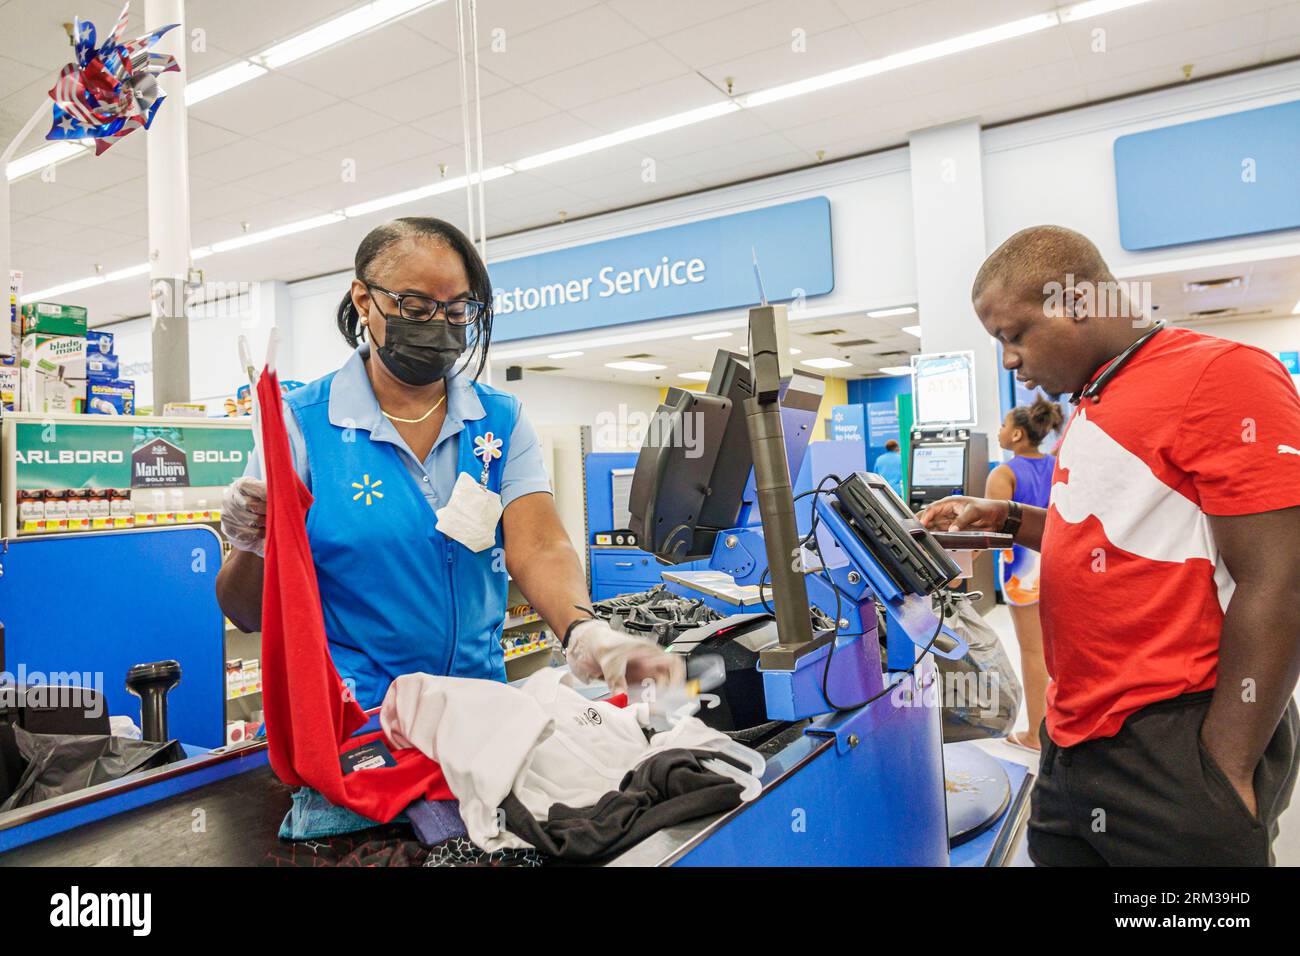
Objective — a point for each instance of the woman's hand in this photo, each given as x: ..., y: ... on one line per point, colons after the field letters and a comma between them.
x: 959, y: 513
x: 243, y: 515
x: 597, y: 652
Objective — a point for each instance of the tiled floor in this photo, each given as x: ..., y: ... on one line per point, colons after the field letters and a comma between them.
x: 1287, y: 847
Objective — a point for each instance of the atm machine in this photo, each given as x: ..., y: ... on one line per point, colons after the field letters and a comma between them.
x: 948, y: 457
x: 946, y: 461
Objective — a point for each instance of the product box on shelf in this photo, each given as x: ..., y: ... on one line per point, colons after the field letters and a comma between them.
x: 101, y: 367
x: 54, y: 318
x: 79, y: 509
x: 99, y: 343
x: 9, y: 387
x: 185, y: 410
x: 234, y: 678
x: 120, y: 509
x: 100, y: 508
x: 11, y: 335
x: 110, y: 398
x: 31, y: 512
x: 56, y: 510
x: 53, y: 373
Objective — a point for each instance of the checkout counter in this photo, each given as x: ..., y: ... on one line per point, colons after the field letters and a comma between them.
x: 865, y: 781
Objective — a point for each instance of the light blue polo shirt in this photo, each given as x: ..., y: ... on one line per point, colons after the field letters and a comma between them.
x: 352, y: 404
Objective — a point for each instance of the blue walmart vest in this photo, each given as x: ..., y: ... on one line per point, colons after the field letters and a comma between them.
x: 398, y: 596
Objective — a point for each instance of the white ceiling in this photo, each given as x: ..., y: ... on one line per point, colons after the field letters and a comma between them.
x: 272, y: 151
x: 872, y: 343
x: 1264, y: 290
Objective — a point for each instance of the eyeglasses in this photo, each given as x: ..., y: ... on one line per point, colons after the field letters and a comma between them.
x: 421, y: 308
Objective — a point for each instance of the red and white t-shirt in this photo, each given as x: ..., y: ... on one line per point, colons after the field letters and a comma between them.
x: 1133, y: 589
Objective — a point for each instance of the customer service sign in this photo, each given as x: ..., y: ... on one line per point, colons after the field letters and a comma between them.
x: 696, y: 267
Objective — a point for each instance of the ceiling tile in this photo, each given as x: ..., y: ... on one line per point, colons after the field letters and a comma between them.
x: 609, y: 75
x: 500, y: 112
x: 762, y: 26
x: 516, y: 17
x: 333, y: 125
x: 250, y: 26
x: 672, y: 16
x: 425, y: 93
x: 381, y: 57
x: 562, y: 44
x: 649, y: 103
x: 258, y: 105
x: 239, y: 160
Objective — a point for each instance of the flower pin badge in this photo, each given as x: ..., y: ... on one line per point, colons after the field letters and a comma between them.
x: 487, y: 446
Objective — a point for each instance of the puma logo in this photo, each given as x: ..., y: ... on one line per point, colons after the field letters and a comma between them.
x: 1287, y: 450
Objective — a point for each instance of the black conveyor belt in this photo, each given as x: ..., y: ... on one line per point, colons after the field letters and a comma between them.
x: 241, y: 815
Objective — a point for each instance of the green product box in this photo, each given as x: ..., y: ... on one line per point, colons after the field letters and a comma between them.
x: 54, y: 318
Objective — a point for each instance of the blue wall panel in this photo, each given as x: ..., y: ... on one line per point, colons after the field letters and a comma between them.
x: 1232, y: 175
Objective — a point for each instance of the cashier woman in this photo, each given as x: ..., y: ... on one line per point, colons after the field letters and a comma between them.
x: 403, y: 450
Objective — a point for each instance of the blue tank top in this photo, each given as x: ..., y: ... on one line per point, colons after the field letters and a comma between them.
x: 1033, y: 479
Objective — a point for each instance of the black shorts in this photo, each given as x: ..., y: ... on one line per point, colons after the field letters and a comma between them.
x: 1152, y: 796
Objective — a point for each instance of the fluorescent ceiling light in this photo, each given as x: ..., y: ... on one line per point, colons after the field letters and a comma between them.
x: 226, y: 78
x: 423, y: 192
x: 913, y: 330
x: 889, y: 313
x: 1095, y: 8
x: 695, y: 376
x: 796, y: 351
x: 560, y: 355
x: 1296, y: 310
x: 56, y: 152
x: 57, y: 290
x: 266, y: 235
x: 827, y: 363
x: 344, y: 27
x: 711, y: 335
x: 640, y: 131
x: 636, y: 366
x: 896, y: 61
x: 127, y: 273
x: 896, y: 370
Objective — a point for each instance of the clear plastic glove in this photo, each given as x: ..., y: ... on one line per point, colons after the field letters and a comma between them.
x: 243, y: 515
x: 597, y: 652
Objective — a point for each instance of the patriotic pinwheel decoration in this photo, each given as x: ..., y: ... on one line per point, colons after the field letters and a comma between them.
x: 112, y: 90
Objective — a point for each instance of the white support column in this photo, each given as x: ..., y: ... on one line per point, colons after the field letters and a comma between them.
x: 948, y: 216
x: 42, y: 111
x: 169, y: 213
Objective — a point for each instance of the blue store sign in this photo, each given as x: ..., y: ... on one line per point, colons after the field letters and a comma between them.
x: 697, y: 267
x: 847, y: 423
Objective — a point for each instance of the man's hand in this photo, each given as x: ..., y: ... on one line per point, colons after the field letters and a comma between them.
x: 959, y: 513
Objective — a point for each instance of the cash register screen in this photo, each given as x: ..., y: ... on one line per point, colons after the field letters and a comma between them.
x: 938, y: 466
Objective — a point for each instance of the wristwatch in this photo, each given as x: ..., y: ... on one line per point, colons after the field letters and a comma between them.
x: 1014, y: 516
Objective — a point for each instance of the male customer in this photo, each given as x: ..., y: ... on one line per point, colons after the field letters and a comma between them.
x: 1170, y: 562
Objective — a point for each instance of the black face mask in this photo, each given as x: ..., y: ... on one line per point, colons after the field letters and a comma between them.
x: 420, y: 353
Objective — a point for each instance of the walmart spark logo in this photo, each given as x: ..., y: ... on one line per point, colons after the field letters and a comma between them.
x: 367, y: 490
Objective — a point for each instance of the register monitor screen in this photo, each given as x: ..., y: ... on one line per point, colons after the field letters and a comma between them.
x: 938, y: 466
x: 679, y: 502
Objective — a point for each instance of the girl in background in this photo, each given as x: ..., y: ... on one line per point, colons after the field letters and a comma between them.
x: 1026, y: 478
